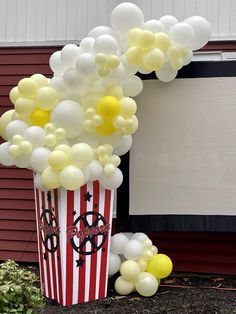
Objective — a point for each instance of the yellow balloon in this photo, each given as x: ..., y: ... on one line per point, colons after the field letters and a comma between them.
x: 176, y: 63
x: 40, y: 79
x: 5, y: 119
x: 71, y: 178
x: 50, y: 140
x: 109, y: 170
x: 162, y: 41
x: 113, y: 61
x: 101, y: 59
x: 28, y: 87
x: 134, y: 55
x: 160, y: 266
x: 108, y: 106
x: 57, y: 160
x: 142, y: 264
x: 131, y: 125
x: 132, y: 36
x: 40, y: 117
x: 14, y: 150
x: 81, y: 154
x: 50, y: 178
x: 60, y: 133
x: 64, y: 148
x: 154, y: 59
x: 123, y: 287
x: 115, y: 91
x: 130, y: 270
x: 146, y: 40
x: 47, y: 98
x: 107, y: 128
x: 128, y: 106
x: 17, y: 139
x: 24, y: 106
x: 14, y: 94
x: 103, y: 71
x: 25, y: 147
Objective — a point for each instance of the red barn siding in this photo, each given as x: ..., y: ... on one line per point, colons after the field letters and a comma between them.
x: 194, y: 252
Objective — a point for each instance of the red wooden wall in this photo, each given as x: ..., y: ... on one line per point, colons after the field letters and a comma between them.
x: 195, y: 252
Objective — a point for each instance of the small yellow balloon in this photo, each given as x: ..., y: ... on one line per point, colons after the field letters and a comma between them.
x: 5, y: 119
x: 154, y: 59
x: 142, y: 264
x: 123, y: 287
x: 64, y: 148
x: 176, y: 63
x: 128, y: 106
x: 71, y: 178
x: 131, y: 125
x: 14, y: 150
x: 101, y: 59
x: 115, y: 91
x: 160, y: 266
x: 50, y: 140
x: 134, y: 55
x: 113, y: 62
x: 130, y: 270
x: 57, y: 159
x: 146, y: 40
x: 115, y: 160
x: 40, y: 79
x: 28, y: 87
x: 132, y: 36
x: 162, y: 41
x: 24, y: 106
x: 107, y: 128
x: 109, y: 170
x: 47, y: 98
x: 60, y: 133
x: 50, y: 178
x: 14, y: 94
x: 17, y: 139
x: 25, y: 147
x: 103, y: 71
x: 40, y: 117
x: 108, y: 106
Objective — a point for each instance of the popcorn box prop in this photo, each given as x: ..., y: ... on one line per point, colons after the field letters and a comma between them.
x: 74, y: 231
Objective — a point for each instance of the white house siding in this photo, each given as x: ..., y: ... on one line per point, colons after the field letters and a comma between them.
x: 40, y: 22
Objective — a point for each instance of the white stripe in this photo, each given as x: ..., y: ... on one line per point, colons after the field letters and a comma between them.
x: 99, y: 253
x: 76, y: 255
x: 55, y: 254
x: 88, y: 244
x: 43, y: 250
x: 109, y: 238
x: 62, y: 209
x: 51, y: 270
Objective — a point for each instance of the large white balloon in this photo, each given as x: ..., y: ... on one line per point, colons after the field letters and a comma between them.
x: 202, y: 31
x: 111, y: 182
x: 124, y: 147
x: 5, y: 158
x: 154, y: 26
x: 132, y: 86
x: 133, y: 250
x: 35, y: 135
x: 118, y: 242
x: 39, y: 158
x: 38, y: 183
x: 101, y: 30
x: 126, y: 16
x: 166, y: 74
x: 85, y: 65
x: 69, y: 115
x: 95, y: 170
x: 16, y: 127
x: 114, y: 264
x: 74, y: 81
x: 182, y: 34
x: 168, y: 21
x: 86, y: 45
x: 69, y: 54
x: 56, y: 64
x: 146, y: 284
x: 105, y: 44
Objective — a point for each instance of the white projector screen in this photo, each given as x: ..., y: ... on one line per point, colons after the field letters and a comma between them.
x: 183, y: 158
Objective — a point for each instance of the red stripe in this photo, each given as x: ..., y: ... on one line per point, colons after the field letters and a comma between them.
x: 58, y: 252
x: 93, y: 261
x: 83, y: 209
x: 40, y: 242
x: 103, y: 273
x: 53, y: 254
x: 69, y: 249
x: 47, y: 260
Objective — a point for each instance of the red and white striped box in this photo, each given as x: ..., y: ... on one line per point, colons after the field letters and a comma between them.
x: 74, y: 232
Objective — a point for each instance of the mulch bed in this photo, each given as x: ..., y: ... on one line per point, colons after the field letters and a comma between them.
x: 179, y: 294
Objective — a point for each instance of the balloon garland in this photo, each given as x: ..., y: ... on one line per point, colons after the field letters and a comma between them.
x: 74, y: 127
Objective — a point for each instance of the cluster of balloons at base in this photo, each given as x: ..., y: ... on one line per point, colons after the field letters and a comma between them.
x: 78, y: 123
x: 140, y: 265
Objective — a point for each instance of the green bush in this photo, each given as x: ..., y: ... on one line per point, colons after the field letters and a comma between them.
x: 17, y: 291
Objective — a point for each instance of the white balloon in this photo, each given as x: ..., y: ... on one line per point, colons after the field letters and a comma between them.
x: 95, y: 170
x: 38, y: 183
x: 114, y: 264
x: 16, y: 127
x: 85, y: 65
x: 126, y: 16
x: 101, y: 30
x: 132, y: 86
x: 130, y: 69
x: 74, y: 81
x: 5, y: 158
x: 166, y: 74
x: 118, y: 242
x: 168, y: 21
x: 133, y: 250
x: 69, y: 115
x: 35, y: 135
x: 154, y: 26
x: 86, y: 175
x: 22, y: 161
x: 58, y: 83
x: 106, y: 44
x: 56, y: 64
x: 182, y: 34
x: 69, y: 54
x: 146, y: 284
x: 140, y: 236
x: 124, y: 147
x: 111, y: 182
x: 114, y: 139
x: 116, y: 75
x: 188, y: 58
x: 39, y: 158
x: 202, y: 31
x: 86, y: 45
